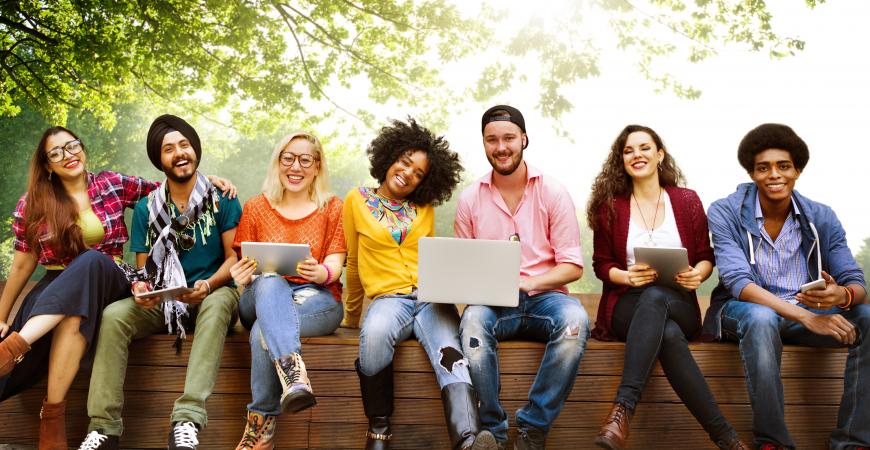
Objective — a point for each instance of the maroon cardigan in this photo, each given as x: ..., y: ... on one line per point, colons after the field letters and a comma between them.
x: 611, y: 238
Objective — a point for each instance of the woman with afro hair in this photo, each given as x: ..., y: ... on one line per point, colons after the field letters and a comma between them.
x: 416, y: 171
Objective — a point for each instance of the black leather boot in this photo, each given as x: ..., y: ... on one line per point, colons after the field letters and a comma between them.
x: 377, y: 397
x: 463, y: 422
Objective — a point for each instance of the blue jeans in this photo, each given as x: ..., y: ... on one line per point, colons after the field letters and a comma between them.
x: 392, y: 319
x: 761, y: 332
x: 277, y: 322
x: 551, y: 317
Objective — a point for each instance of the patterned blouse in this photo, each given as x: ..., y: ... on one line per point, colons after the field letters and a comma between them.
x: 395, y: 216
x: 110, y: 193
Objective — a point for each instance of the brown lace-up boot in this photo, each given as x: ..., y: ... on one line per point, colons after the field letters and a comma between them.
x: 259, y: 432
x: 614, y: 434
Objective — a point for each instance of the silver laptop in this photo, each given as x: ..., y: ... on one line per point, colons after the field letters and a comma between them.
x: 468, y: 271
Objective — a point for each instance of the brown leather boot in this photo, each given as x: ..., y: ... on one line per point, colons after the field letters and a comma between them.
x: 52, y: 426
x: 614, y: 434
x: 12, y: 350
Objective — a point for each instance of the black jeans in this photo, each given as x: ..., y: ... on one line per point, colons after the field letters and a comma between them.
x: 654, y: 322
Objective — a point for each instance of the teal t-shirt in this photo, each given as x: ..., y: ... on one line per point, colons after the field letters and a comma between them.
x: 206, y: 256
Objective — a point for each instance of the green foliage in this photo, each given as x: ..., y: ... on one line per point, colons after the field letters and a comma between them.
x: 210, y: 55
x: 863, y: 258
x: 266, y: 63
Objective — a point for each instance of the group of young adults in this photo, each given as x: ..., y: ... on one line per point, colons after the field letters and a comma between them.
x: 187, y: 230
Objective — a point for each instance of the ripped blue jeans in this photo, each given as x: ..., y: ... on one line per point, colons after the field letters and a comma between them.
x: 392, y: 319
x: 550, y: 317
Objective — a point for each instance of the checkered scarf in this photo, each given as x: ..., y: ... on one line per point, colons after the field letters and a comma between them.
x: 163, y: 267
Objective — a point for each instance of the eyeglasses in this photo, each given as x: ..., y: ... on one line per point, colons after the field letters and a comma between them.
x: 288, y: 159
x: 183, y: 240
x: 72, y: 147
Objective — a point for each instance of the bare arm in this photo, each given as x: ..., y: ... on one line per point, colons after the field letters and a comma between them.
x: 555, y: 278
x: 23, y: 265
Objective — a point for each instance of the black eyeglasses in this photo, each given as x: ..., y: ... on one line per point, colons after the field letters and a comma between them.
x: 288, y: 159
x: 183, y: 240
x: 72, y: 147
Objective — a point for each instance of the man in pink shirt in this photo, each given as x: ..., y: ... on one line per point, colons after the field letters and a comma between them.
x: 516, y: 201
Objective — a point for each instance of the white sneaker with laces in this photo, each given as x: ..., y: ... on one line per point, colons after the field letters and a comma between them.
x: 98, y: 441
x: 183, y: 436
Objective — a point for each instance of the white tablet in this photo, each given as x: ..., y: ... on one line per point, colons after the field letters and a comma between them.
x: 168, y: 293
x: 274, y: 257
x: 667, y: 261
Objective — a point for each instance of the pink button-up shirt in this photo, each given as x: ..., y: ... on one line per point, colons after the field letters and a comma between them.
x: 545, y: 221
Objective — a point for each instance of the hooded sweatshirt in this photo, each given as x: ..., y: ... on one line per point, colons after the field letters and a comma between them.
x: 736, y: 235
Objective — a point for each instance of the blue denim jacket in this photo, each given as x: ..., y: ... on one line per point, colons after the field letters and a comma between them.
x: 735, y: 233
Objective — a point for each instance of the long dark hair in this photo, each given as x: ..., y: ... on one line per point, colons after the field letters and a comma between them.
x: 49, y: 208
x: 613, y: 181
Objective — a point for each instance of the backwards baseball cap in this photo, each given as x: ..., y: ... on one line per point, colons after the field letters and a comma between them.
x: 513, y: 115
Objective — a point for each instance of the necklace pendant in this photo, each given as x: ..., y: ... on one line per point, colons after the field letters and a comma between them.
x: 650, y: 243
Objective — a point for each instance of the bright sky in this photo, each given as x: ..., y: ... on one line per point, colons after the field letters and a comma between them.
x: 822, y: 93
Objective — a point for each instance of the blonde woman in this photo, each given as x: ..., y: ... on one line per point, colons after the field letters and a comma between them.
x: 295, y: 207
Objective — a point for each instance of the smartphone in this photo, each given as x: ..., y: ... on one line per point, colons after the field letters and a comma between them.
x: 818, y: 284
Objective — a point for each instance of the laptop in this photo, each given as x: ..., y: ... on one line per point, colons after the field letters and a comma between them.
x: 468, y: 271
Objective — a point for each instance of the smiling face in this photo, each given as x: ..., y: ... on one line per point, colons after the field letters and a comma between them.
x: 640, y: 156
x: 775, y: 174
x: 298, y: 153
x: 503, y: 143
x: 72, y: 165
x: 178, y: 157
x: 405, y: 174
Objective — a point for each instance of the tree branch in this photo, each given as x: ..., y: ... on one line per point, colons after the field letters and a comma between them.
x: 30, y: 31
x: 305, y: 66
x: 338, y: 45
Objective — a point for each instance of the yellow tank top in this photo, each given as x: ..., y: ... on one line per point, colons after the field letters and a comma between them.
x: 92, y: 228
x: 92, y: 232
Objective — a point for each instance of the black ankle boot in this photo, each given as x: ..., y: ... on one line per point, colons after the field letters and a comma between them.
x: 463, y: 422
x: 377, y: 397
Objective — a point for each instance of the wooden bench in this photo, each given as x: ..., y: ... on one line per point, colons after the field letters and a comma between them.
x: 155, y: 378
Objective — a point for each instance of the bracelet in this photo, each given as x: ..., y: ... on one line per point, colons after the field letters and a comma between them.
x: 207, y: 285
x: 851, y: 295
x: 328, y: 275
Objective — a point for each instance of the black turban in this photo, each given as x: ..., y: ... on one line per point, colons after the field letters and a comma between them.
x: 164, y: 125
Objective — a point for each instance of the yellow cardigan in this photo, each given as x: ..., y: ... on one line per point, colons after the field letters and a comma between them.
x: 376, y: 264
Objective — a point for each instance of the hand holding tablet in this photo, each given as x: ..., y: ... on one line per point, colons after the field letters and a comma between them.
x: 279, y: 258
x: 667, y: 262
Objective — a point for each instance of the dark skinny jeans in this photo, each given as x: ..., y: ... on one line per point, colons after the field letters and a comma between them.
x: 665, y: 317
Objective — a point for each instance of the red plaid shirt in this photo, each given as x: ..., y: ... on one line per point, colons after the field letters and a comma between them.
x: 110, y: 193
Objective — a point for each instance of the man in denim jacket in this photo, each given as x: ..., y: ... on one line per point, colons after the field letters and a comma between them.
x: 769, y: 241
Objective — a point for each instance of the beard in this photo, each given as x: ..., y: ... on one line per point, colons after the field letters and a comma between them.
x: 172, y: 176
x: 515, y: 163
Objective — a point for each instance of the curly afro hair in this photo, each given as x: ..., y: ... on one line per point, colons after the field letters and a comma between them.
x: 444, y: 166
x: 768, y: 136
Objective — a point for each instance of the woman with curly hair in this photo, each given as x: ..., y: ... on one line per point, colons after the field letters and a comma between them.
x: 637, y: 202
x: 416, y: 171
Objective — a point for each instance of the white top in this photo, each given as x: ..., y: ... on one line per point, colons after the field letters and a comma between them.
x: 665, y: 235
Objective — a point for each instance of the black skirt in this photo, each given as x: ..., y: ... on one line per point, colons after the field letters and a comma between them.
x: 89, y: 283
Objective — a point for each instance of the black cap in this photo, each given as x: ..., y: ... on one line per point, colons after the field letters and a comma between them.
x: 514, y: 116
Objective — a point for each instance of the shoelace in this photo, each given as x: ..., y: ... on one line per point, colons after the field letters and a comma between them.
x: 617, y: 415
x: 93, y: 441
x: 184, y: 434
x: 251, y: 436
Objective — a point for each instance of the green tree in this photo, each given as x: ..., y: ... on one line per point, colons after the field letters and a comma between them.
x: 270, y: 61
x: 206, y: 55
